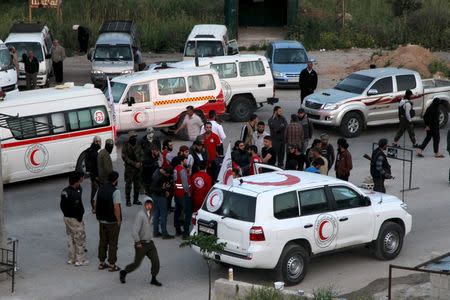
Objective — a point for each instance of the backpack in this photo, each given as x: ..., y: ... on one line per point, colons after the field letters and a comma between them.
x: 402, y: 112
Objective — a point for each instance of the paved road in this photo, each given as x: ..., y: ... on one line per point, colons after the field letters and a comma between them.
x: 33, y: 216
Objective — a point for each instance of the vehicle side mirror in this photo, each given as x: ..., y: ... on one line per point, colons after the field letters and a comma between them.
x: 372, y: 92
x: 48, y: 56
x: 232, y: 47
x: 131, y: 101
x: 367, y: 201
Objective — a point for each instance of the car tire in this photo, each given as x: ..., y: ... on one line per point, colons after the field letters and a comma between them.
x: 241, y: 109
x: 443, y: 116
x: 81, y: 164
x: 293, y: 264
x: 351, y: 125
x: 389, y: 242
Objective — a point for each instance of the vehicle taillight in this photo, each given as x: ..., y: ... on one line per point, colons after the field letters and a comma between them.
x: 257, y: 234
x: 3, y: 94
x: 220, y: 97
x: 194, y: 218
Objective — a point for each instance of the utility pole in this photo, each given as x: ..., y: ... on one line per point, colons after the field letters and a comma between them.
x: 340, y: 12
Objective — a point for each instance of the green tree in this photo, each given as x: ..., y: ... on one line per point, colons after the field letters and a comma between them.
x: 401, y: 8
x: 208, y: 245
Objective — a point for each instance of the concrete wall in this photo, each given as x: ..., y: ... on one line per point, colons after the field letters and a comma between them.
x: 232, y: 290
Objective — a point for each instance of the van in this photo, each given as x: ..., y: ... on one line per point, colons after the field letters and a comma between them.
x: 159, y: 98
x: 47, y: 131
x: 36, y: 37
x: 8, y: 73
x: 246, y: 81
x: 287, y: 59
x: 209, y: 40
x: 115, y: 52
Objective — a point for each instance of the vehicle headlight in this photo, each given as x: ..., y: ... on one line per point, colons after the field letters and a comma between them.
x: 278, y: 74
x: 330, y: 106
x: 127, y: 72
x: 96, y: 72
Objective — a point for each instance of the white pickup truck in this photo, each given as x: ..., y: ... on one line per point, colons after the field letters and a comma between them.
x: 279, y: 220
x: 370, y: 97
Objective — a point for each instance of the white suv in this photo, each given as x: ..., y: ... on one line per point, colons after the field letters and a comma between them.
x: 278, y: 220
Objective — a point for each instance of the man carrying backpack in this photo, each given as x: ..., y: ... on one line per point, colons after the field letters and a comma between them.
x: 405, y: 115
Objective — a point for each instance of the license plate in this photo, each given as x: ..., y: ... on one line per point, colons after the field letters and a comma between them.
x: 293, y: 79
x: 207, y: 230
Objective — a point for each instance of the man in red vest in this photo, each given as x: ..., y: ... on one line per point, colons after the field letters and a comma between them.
x: 254, y: 158
x: 201, y: 184
x: 210, y: 141
x: 182, y: 195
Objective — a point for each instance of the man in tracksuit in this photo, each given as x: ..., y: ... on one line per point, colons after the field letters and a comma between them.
x: 143, y: 244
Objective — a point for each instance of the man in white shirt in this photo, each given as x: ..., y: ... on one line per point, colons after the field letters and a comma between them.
x: 258, y: 136
x: 216, y: 127
x: 192, y: 123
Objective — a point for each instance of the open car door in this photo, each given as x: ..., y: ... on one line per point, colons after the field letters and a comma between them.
x: 233, y: 47
x: 264, y: 168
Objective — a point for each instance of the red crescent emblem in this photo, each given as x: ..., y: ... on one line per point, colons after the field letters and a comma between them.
x: 136, y: 116
x: 321, y: 236
x: 32, y: 159
x: 211, y: 199
x: 228, y: 174
x: 290, y: 180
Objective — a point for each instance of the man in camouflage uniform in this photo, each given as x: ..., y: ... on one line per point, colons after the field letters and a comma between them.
x: 73, y: 211
x: 132, y: 157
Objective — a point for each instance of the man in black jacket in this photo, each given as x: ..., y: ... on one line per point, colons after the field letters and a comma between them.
x: 327, y: 150
x: 380, y: 169
x: 307, y: 81
x: 107, y: 205
x: 73, y: 210
x: 31, y: 69
x: 277, y: 126
x: 92, y: 167
x: 161, y: 187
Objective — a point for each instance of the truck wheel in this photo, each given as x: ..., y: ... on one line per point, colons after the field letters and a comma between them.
x: 351, y: 125
x: 293, y: 264
x: 443, y: 116
x: 241, y: 109
x: 389, y: 241
x: 81, y: 164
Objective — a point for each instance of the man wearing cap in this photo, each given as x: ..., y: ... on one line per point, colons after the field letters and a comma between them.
x: 159, y: 191
x: 91, y: 165
x: 327, y: 150
x: 307, y: 81
x: 192, y: 123
x: 132, y: 157
x: 143, y: 244
x: 107, y: 205
x: 104, y: 162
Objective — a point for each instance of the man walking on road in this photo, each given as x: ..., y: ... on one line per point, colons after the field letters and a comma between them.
x: 58, y: 56
x: 380, y: 169
x: 307, y: 81
x: 104, y: 162
x: 405, y: 115
x: 73, y: 210
x: 108, y: 209
x: 132, y: 157
x: 31, y: 69
x: 143, y: 244
x: 92, y: 167
x: 277, y: 125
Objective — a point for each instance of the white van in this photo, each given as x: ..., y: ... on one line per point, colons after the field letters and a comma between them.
x: 159, y: 98
x: 36, y: 37
x: 8, y: 74
x: 45, y: 132
x: 209, y: 40
x: 246, y: 80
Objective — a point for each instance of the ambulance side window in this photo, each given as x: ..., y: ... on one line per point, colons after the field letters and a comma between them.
x: 140, y: 93
x: 169, y: 86
x: 201, y: 83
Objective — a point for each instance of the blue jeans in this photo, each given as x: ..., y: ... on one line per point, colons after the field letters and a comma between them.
x: 187, y: 210
x: 177, y: 213
x: 159, y: 214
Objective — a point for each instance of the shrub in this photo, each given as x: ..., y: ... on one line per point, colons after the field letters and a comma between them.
x: 439, y: 66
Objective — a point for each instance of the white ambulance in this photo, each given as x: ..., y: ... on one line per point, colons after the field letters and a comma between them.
x: 279, y: 220
x: 159, y: 98
x: 45, y: 132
